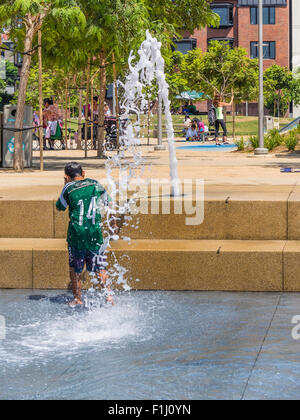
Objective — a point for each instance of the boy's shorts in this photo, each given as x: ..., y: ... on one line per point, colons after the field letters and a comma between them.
x: 95, y: 260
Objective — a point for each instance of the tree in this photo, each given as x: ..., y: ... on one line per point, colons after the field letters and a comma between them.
x: 176, y: 80
x: 281, y: 87
x: 24, y: 18
x: 222, y: 70
x: 183, y: 15
x: 51, y: 86
x: 113, y: 27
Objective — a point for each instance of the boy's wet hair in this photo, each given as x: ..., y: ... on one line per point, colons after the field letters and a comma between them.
x: 73, y: 170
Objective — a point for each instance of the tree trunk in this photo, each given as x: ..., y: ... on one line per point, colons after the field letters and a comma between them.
x: 79, y: 145
x: 117, y: 100
x: 69, y: 113
x: 66, y: 113
x: 92, y: 114
x: 18, y: 150
x: 87, y: 109
x: 233, y: 120
x: 101, y: 129
x: 149, y: 111
x: 41, y: 134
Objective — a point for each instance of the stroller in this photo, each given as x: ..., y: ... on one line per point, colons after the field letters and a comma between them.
x: 111, y: 134
x: 110, y: 124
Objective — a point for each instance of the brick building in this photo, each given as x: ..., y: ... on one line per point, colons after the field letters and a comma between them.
x: 239, y: 27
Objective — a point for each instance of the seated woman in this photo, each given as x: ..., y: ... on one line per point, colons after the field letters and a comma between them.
x: 192, y: 133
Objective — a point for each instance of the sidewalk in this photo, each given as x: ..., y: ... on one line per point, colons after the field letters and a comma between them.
x: 215, y: 168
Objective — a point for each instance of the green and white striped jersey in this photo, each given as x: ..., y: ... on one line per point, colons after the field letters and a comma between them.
x: 83, y: 199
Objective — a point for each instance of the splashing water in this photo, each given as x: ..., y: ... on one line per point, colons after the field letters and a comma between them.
x: 145, y: 72
x: 129, y: 162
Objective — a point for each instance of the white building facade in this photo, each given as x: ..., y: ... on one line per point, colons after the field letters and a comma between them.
x: 295, y: 42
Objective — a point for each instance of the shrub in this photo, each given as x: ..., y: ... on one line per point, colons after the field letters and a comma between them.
x: 254, y: 142
x: 240, y: 144
x: 291, y: 140
x: 273, y: 139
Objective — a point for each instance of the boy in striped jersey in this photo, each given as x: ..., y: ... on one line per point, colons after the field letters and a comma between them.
x: 85, y: 239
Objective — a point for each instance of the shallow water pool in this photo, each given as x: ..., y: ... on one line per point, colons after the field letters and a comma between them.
x: 210, y: 147
x: 151, y: 345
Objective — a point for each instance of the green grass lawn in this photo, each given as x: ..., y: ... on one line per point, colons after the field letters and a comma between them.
x: 245, y: 126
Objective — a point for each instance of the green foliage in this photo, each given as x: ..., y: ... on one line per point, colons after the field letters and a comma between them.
x: 182, y: 15
x: 114, y: 26
x: 291, y: 140
x: 254, y: 141
x: 222, y: 69
x: 273, y: 139
x: 11, y: 73
x: 281, y: 87
x: 240, y: 144
x: 52, y: 87
x: 177, y: 82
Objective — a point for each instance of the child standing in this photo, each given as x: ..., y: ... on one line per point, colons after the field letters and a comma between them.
x: 85, y: 239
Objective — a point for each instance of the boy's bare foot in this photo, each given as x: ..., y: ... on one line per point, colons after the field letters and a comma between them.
x: 109, y: 299
x: 75, y: 302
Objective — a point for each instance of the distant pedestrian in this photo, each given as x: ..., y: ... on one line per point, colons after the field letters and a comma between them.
x: 219, y: 105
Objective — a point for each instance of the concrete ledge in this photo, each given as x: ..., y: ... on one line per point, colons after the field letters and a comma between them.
x: 26, y: 219
x: 224, y: 220
x: 50, y: 264
x: 245, y: 220
x: 294, y: 214
x: 60, y: 221
x: 251, y: 215
x: 16, y: 264
x: 292, y: 266
x: 160, y: 265
x: 204, y: 265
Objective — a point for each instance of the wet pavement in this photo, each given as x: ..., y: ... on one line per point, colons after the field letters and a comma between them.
x: 151, y: 345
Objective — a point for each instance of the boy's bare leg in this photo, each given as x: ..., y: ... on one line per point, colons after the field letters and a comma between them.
x: 76, y: 287
x: 102, y: 278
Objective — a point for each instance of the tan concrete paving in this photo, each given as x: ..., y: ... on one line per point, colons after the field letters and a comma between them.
x: 217, y: 169
x: 246, y: 199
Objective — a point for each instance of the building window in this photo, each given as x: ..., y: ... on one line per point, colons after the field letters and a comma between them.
x: 185, y: 45
x: 18, y: 60
x: 269, y: 50
x: 268, y: 15
x: 225, y: 11
x: 230, y: 41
